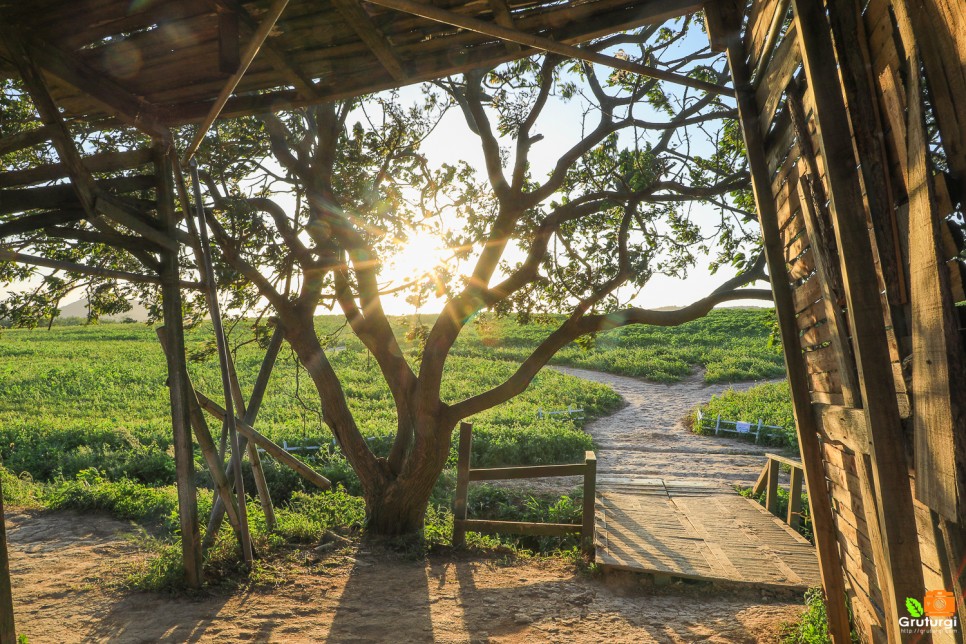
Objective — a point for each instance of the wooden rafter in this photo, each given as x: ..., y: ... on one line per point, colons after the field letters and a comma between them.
x: 121, y: 101
x: 502, y: 16
x: 254, y: 46
x: 273, y: 53
x: 432, y: 12
x: 82, y: 269
x: 366, y: 29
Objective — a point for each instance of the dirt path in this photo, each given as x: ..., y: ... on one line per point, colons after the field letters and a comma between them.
x: 63, y: 566
x: 646, y: 439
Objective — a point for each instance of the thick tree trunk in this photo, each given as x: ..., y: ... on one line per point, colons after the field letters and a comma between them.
x: 397, y: 494
x: 399, y: 507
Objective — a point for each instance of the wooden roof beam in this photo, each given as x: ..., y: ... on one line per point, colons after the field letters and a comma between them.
x: 275, y: 54
x: 503, y: 17
x: 357, y: 18
x: 127, y: 106
x: 493, y: 30
x: 83, y: 269
x: 254, y: 46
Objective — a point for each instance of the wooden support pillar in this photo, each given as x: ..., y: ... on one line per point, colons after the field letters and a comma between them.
x: 794, y: 517
x: 7, y: 631
x: 901, y: 577
x: 823, y: 523
x: 178, y: 388
x: 462, y: 484
x: 588, y: 522
x: 771, y: 487
x: 224, y: 363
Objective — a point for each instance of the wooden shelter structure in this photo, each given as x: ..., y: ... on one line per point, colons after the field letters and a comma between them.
x: 856, y: 139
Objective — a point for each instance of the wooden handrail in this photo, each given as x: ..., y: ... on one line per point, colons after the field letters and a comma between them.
x: 768, y: 482
x: 465, y: 474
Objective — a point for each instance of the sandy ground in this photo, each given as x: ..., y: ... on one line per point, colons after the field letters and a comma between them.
x: 64, y: 567
x: 647, y: 439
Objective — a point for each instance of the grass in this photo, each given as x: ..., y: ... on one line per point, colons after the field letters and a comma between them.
x: 732, y: 345
x: 770, y: 402
x: 84, y: 422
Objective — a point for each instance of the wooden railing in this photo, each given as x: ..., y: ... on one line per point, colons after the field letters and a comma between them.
x: 768, y: 482
x: 465, y: 474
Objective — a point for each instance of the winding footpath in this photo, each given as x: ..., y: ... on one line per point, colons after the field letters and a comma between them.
x: 646, y: 439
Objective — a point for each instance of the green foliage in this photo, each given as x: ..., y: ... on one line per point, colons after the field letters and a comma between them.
x: 812, y: 628
x: 95, y: 396
x: 771, y: 402
x: 731, y: 344
x: 20, y: 492
x: 124, y: 499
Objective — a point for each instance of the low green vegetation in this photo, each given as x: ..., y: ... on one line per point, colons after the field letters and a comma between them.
x: 769, y: 402
x: 731, y: 345
x: 84, y: 423
x: 812, y: 628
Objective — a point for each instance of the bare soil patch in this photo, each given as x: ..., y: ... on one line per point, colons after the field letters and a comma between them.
x: 65, y: 566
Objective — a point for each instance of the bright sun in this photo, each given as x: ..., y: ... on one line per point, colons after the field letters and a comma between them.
x: 417, y: 258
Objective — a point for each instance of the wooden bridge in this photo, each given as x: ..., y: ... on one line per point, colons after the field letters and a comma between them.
x: 690, y: 529
x: 698, y: 530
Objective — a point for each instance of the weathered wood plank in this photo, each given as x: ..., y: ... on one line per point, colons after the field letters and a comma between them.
x: 526, y: 472
x: 825, y: 537
x: 937, y: 367
x: 781, y: 68
x: 277, y: 452
x: 901, y: 571
x: 462, y: 484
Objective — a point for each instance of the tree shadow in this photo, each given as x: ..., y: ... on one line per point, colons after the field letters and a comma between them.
x: 384, y: 603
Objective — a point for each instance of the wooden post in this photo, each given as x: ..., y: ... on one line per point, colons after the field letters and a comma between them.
x: 7, y: 631
x: 771, y: 488
x: 590, y: 498
x: 462, y: 484
x: 208, y: 449
x: 901, y: 576
x: 223, y: 362
x: 794, y: 517
x: 251, y: 413
x: 826, y: 542
x: 178, y: 387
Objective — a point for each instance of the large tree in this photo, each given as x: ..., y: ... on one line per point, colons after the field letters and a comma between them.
x: 307, y: 207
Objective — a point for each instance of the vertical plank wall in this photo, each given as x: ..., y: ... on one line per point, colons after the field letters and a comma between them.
x: 913, y: 277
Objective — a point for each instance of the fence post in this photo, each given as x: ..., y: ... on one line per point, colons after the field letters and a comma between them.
x: 462, y: 484
x: 771, y: 492
x: 795, y: 499
x: 717, y: 425
x: 590, y: 498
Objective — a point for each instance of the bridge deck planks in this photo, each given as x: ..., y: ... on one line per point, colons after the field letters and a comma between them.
x: 697, y: 530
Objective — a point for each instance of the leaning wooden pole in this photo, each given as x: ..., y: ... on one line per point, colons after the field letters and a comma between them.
x: 251, y: 412
x: 826, y: 543
x: 7, y: 631
x: 223, y: 357
x: 178, y: 390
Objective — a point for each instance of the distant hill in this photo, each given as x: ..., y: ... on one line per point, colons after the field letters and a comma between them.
x: 79, y: 308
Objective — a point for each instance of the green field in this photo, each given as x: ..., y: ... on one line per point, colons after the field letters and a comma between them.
x: 84, y: 411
